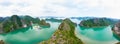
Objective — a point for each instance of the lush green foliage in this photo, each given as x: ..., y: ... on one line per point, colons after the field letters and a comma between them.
x: 7, y: 26
x: 16, y: 21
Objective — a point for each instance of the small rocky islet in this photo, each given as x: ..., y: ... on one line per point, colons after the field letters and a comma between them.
x: 54, y: 20
x: 64, y: 35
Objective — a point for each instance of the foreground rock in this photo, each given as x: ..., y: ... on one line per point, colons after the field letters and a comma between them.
x: 2, y: 42
x: 64, y: 34
x: 97, y: 22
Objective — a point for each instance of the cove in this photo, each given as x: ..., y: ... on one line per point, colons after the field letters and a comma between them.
x: 100, y: 35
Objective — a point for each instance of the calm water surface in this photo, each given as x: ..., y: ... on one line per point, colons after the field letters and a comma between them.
x: 101, y: 35
x: 98, y: 35
x: 29, y: 35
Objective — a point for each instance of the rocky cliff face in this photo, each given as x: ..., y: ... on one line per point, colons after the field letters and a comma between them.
x: 28, y: 20
x: 116, y: 28
x: 118, y: 43
x: 1, y: 31
x: 64, y: 34
x: 54, y: 20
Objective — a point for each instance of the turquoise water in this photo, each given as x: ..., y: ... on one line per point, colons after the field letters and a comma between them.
x: 29, y: 35
x: 100, y: 35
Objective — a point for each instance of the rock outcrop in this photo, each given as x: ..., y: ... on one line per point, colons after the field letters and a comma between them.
x: 116, y: 29
x: 54, y: 20
x: 64, y: 34
x: 118, y: 43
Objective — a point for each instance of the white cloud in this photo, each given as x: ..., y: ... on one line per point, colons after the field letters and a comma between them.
x: 100, y: 8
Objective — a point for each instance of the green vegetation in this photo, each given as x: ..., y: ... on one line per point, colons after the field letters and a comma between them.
x: 12, y: 23
x: 7, y: 26
x: 96, y: 22
x: 64, y: 34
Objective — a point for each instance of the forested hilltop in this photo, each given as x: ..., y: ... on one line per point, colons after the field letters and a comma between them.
x: 64, y: 35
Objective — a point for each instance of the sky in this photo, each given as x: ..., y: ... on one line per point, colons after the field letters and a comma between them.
x: 66, y: 8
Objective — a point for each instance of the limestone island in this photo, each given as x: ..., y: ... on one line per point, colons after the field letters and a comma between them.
x: 54, y: 20
x: 64, y: 35
x: 8, y: 24
x: 96, y: 22
x: 44, y: 24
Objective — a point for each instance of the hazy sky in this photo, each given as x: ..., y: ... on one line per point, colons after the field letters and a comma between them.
x: 99, y: 8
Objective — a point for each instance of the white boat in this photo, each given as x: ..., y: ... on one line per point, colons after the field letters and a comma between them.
x: 36, y: 27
